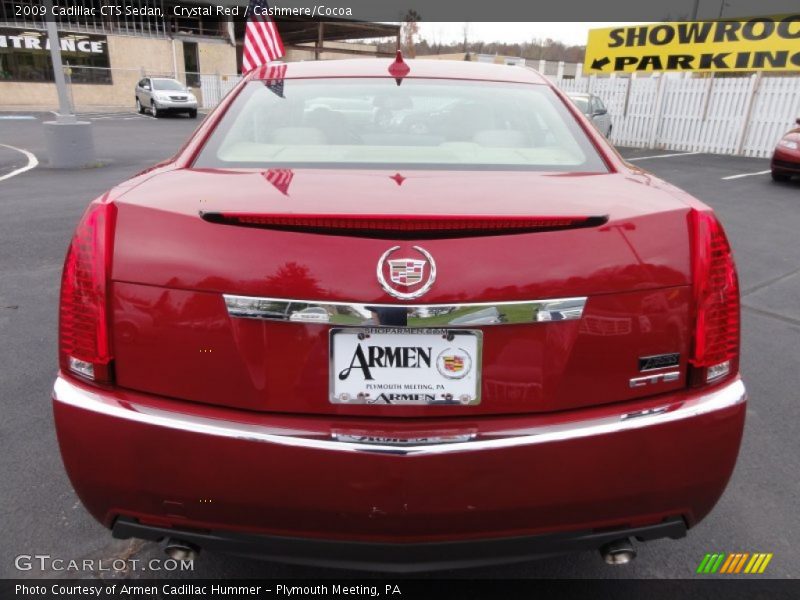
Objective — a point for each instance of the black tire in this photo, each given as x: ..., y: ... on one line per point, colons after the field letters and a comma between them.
x: 154, y: 110
x: 778, y: 176
x: 139, y: 107
x: 192, y: 114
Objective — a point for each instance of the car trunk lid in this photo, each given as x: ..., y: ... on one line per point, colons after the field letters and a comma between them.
x: 613, y: 240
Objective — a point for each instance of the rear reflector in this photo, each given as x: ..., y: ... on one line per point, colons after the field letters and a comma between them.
x: 715, y: 352
x: 405, y: 226
x: 84, y: 344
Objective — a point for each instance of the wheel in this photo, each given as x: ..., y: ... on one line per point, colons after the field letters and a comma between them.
x: 192, y: 114
x: 778, y: 176
x: 139, y: 107
x: 154, y: 109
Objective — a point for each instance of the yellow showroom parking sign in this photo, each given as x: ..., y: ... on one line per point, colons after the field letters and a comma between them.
x: 757, y: 44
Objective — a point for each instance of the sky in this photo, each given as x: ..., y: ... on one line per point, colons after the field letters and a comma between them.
x: 567, y: 33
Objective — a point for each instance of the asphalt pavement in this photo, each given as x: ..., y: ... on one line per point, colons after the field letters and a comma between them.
x: 41, y: 514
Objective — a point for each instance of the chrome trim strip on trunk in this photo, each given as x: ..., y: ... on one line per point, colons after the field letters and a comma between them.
x: 717, y: 399
x: 405, y: 315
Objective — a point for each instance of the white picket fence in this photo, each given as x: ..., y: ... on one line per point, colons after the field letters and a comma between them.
x: 723, y: 115
x: 214, y: 88
x: 720, y: 115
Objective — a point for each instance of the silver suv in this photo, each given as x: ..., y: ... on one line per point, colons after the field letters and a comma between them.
x: 161, y: 95
x: 593, y: 107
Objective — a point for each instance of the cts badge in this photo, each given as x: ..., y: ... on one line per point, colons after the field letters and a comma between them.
x: 654, y: 379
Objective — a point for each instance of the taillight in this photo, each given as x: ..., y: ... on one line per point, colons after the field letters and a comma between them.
x: 715, y: 347
x: 84, y: 336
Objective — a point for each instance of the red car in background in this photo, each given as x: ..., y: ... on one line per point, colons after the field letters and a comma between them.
x: 398, y: 316
x: 786, y: 158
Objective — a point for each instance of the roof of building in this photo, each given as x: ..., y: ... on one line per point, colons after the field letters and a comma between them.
x: 301, y: 30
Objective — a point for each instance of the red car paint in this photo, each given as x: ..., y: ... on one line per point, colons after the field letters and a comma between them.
x: 638, y: 477
x: 179, y: 357
x: 786, y: 160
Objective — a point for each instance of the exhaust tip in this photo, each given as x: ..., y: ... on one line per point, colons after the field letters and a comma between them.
x: 618, y: 552
x: 180, y: 550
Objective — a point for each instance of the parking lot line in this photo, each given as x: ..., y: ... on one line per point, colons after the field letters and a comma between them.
x: 32, y: 162
x: 663, y: 156
x: 107, y: 116
x: 746, y: 175
x: 117, y: 116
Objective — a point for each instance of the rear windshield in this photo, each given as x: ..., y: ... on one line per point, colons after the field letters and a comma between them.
x: 422, y: 123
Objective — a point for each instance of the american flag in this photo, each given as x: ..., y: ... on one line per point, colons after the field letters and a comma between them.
x: 280, y: 178
x: 262, y: 42
x: 273, y: 78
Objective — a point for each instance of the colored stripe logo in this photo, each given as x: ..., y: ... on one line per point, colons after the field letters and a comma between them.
x: 734, y: 563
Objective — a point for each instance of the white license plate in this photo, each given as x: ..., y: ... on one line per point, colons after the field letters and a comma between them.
x: 405, y: 366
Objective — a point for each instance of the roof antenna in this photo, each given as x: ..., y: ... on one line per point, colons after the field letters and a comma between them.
x: 399, y: 68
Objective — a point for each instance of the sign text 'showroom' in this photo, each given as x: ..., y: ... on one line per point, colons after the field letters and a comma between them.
x: 758, y: 44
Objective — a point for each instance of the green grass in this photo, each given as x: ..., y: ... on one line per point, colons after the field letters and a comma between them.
x: 339, y: 319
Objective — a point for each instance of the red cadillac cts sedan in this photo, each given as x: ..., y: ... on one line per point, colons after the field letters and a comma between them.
x: 786, y: 157
x: 398, y: 316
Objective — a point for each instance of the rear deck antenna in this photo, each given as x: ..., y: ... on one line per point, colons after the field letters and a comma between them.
x: 399, y: 68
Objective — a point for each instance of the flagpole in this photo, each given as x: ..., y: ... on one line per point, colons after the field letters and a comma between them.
x: 65, y: 114
x: 69, y: 142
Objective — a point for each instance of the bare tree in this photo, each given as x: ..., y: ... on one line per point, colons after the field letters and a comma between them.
x: 408, y: 33
x: 535, y: 49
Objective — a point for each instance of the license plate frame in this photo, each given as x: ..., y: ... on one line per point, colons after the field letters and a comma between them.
x: 436, y: 382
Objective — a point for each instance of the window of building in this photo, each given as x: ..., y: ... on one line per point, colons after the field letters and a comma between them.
x: 25, y: 56
x: 191, y: 64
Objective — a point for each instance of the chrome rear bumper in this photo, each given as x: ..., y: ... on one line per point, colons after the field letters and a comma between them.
x: 717, y: 399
